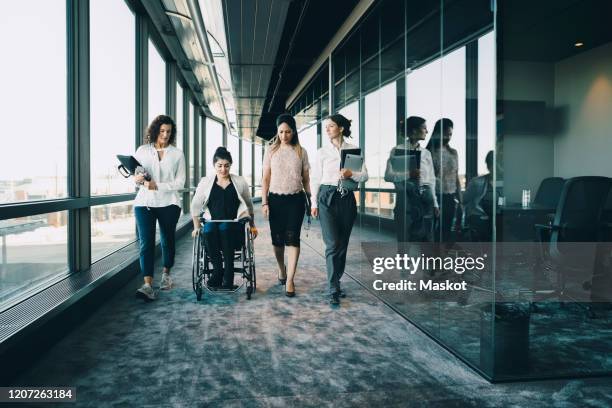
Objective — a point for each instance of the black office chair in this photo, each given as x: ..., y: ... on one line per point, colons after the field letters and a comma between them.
x: 549, y: 192
x: 577, y: 219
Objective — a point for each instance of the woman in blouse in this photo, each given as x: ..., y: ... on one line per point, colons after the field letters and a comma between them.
x: 224, y: 196
x: 446, y: 168
x: 158, y: 199
x: 335, y: 206
x: 284, y: 184
x: 416, y: 203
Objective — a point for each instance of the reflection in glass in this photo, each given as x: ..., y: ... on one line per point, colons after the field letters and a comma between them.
x: 112, y: 228
x: 37, y: 124
x: 34, y: 250
x: 112, y: 99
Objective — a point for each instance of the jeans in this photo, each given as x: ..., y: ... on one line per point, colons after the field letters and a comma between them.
x: 337, y: 215
x: 221, y: 240
x: 145, y: 221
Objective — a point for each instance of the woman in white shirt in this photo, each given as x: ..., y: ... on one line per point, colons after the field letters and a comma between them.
x: 416, y: 203
x: 335, y: 206
x: 158, y: 199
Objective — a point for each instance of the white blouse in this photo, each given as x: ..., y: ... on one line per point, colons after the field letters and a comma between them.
x: 428, y: 177
x: 326, y: 169
x: 168, y: 173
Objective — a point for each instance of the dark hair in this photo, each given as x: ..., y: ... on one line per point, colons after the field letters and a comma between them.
x: 222, y: 154
x: 343, y: 122
x: 489, y: 159
x: 295, y: 140
x: 153, y: 129
x: 437, y: 136
x: 413, y: 123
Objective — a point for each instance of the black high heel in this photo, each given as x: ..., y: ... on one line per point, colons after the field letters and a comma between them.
x: 284, y: 280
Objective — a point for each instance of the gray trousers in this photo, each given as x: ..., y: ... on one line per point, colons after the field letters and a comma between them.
x: 337, y: 215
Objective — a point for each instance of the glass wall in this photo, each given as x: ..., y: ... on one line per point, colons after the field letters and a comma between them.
x: 552, y: 173
x: 157, y: 83
x: 112, y: 99
x: 430, y: 60
x: 309, y: 141
x: 44, y: 175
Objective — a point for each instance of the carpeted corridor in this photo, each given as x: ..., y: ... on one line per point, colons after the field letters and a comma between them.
x: 274, y: 351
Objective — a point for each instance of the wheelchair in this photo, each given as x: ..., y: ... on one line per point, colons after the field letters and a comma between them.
x: 202, y: 265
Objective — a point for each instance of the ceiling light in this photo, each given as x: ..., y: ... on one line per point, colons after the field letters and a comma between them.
x: 579, y: 44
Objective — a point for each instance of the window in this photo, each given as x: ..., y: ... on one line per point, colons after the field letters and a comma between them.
x: 157, y: 83
x: 351, y: 112
x: 437, y: 90
x: 258, y: 160
x: 214, y: 139
x: 112, y: 82
x: 37, y: 122
x: 179, y: 116
x: 308, y: 140
x: 486, y: 99
x: 233, y: 144
x: 192, y: 146
x: 380, y: 136
x: 34, y: 250
x: 247, y: 157
x: 112, y: 227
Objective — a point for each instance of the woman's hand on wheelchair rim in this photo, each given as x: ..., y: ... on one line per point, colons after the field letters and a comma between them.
x: 195, y: 233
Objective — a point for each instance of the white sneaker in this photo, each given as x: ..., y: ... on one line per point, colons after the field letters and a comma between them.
x: 166, y: 282
x: 146, y: 292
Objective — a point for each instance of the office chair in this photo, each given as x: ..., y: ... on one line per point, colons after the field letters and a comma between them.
x: 577, y: 219
x: 549, y: 192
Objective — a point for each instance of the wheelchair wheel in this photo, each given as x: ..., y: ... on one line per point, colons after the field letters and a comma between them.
x: 197, y: 274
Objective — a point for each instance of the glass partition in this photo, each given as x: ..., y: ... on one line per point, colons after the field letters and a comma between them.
x: 157, y: 83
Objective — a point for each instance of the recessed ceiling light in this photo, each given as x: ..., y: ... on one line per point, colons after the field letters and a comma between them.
x: 579, y: 44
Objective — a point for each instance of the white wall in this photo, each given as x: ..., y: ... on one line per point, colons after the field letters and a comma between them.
x: 527, y: 158
x: 584, y: 84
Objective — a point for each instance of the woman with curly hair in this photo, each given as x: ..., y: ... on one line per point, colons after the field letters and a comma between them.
x: 158, y: 199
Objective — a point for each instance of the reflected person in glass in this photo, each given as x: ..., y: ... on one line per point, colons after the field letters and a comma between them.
x: 478, y: 205
x: 415, y: 183
x: 448, y: 188
x: 285, y: 184
x: 158, y: 199
x: 225, y: 196
x: 336, y: 208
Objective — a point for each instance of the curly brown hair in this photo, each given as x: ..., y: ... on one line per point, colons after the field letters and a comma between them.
x: 153, y: 129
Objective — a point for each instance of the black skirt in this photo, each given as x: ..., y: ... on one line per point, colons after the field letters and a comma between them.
x: 286, y: 217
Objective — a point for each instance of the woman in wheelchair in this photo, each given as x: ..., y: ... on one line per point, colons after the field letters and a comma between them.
x: 224, y: 196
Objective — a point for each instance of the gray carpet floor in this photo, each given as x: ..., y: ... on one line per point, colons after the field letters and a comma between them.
x: 274, y: 351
